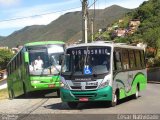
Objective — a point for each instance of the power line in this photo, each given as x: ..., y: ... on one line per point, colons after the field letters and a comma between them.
x: 38, y: 15
x: 92, y: 4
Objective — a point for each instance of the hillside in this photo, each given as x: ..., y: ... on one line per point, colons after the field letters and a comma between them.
x: 66, y: 27
x: 148, y: 31
x: 141, y: 25
x: 1, y: 38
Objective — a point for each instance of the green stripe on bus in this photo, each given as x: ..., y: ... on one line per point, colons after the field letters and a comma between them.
x: 140, y: 78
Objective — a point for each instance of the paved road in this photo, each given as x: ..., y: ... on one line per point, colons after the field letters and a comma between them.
x: 148, y: 102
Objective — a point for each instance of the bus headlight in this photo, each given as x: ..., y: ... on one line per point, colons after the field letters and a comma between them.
x: 64, y: 83
x: 65, y: 86
x: 104, y: 83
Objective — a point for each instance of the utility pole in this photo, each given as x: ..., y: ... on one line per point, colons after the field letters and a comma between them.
x: 92, y: 23
x: 85, y: 21
x: 92, y: 31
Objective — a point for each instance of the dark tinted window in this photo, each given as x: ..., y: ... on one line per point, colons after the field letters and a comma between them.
x: 138, y: 58
x: 132, y: 59
x: 125, y: 60
x: 117, y: 59
x: 142, y: 59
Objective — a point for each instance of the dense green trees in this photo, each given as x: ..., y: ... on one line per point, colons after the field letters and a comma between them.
x: 149, y: 30
x: 5, y: 56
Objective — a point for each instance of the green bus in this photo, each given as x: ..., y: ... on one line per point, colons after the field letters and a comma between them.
x: 35, y: 67
x: 102, y: 72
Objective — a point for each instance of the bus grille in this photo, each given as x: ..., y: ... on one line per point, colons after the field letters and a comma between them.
x: 88, y: 95
x: 91, y: 87
x: 76, y: 87
x: 86, y: 87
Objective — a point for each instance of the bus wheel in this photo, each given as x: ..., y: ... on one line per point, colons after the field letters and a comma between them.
x: 58, y: 93
x: 136, y: 95
x: 114, y: 100
x: 72, y: 105
x: 11, y: 94
x: 24, y: 90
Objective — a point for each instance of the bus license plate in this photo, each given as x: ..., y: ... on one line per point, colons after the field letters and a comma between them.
x: 51, y: 85
x: 83, y: 99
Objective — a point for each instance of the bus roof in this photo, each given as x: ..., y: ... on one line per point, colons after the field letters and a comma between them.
x: 111, y: 44
x: 44, y: 43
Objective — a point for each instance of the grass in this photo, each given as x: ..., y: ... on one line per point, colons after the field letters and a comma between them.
x: 3, y: 94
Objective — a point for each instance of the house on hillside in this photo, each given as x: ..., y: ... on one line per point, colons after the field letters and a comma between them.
x: 120, y: 32
x: 120, y: 21
x: 102, y: 30
x: 14, y: 50
x: 109, y: 28
x: 134, y: 23
x: 133, y: 26
x: 3, y: 47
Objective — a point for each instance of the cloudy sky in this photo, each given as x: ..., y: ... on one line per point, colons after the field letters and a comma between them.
x: 42, y: 12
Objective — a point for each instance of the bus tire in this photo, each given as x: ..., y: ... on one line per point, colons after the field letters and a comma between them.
x: 72, y: 105
x: 114, y: 100
x: 11, y: 95
x: 136, y: 95
x: 24, y: 90
x: 58, y: 93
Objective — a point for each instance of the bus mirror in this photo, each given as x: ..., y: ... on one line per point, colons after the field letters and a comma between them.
x: 26, y: 57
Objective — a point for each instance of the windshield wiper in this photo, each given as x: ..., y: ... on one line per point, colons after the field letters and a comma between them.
x: 56, y: 68
x: 49, y: 67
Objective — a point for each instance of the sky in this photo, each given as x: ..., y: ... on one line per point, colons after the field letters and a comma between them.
x: 42, y: 12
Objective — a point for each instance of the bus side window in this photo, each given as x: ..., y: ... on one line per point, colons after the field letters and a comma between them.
x: 142, y: 59
x: 21, y: 58
x: 117, y: 60
x: 125, y: 60
x: 138, y: 59
x: 17, y: 61
x: 14, y: 65
x: 8, y: 69
x: 132, y: 59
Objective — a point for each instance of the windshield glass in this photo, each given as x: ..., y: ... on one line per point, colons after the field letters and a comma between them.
x: 44, y: 60
x: 87, y: 60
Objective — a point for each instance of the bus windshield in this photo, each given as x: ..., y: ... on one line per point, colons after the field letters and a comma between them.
x: 44, y: 60
x: 87, y: 61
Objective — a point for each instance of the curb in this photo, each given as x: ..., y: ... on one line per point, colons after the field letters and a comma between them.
x: 155, y: 82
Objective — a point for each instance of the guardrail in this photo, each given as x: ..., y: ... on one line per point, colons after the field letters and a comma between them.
x: 3, y: 75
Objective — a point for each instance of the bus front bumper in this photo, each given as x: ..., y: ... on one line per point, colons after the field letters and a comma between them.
x: 103, y: 94
x: 45, y: 82
x: 46, y: 85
